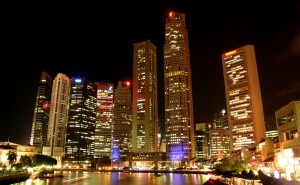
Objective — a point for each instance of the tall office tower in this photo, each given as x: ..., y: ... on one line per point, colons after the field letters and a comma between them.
x: 144, y: 98
x: 179, y: 117
x: 58, y: 118
x: 104, y: 120
x: 122, y: 123
x: 244, y: 105
x: 81, y: 124
x: 41, y: 111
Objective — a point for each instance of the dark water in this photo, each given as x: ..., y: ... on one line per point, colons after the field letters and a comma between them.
x: 120, y: 178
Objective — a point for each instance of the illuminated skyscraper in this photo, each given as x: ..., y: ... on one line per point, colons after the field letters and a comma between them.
x: 104, y: 120
x: 58, y: 117
x: 122, y: 123
x: 81, y: 124
x: 179, y: 117
x: 144, y: 102
x: 41, y: 111
x: 243, y: 97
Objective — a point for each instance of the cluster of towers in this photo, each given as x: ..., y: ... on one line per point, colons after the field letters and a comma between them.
x: 77, y: 121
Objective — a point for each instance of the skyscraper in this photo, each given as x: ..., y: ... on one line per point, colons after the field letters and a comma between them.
x: 104, y: 119
x: 179, y: 117
x: 243, y: 97
x: 144, y: 102
x: 122, y: 123
x: 41, y: 111
x: 58, y: 117
x: 81, y: 124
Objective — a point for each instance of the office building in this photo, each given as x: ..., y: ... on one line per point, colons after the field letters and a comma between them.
x: 144, y: 98
x: 219, y: 136
x: 104, y: 120
x: 122, y: 124
x: 201, y: 140
x: 41, y: 111
x: 271, y: 130
x: 58, y: 118
x: 81, y: 124
x: 243, y: 98
x: 179, y: 117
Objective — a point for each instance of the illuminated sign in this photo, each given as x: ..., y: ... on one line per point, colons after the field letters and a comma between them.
x: 230, y: 53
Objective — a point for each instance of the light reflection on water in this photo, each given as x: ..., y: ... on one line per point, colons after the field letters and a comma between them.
x: 120, y: 178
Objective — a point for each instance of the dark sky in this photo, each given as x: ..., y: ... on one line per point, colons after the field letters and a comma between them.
x: 96, y: 41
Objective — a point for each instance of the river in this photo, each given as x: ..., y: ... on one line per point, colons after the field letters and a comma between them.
x: 119, y: 178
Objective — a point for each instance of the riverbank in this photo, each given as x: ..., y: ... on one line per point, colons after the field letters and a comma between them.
x: 13, y: 179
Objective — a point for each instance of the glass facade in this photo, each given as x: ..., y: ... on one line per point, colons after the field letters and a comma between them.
x: 104, y: 120
x: 41, y: 111
x: 81, y: 124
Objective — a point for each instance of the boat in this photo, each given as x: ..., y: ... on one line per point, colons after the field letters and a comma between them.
x: 46, y: 174
x: 157, y: 174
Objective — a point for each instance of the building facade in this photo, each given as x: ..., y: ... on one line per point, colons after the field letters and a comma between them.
x: 58, y: 118
x: 243, y: 98
x: 219, y: 136
x: 179, y: 117
x: 144, y: 98
x: 122, y: 124
x: 288, y: 124
x: 41, y: 111
x: 81, y: 124
x: 104, y: 120
x: 201, y: 140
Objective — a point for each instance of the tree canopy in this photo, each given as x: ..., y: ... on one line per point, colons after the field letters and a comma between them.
x: 39, y: 160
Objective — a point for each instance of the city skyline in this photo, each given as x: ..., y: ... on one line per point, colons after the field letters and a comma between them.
x: 87, y: 44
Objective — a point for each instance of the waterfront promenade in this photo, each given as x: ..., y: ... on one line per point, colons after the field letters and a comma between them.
x: 204, y: 177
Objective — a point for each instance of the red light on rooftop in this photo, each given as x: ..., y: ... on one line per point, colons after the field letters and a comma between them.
x: 127, y: 83
x: 170, y: 14
x: 230, y: 52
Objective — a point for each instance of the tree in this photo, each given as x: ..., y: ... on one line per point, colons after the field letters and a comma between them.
x: 25, y: 161
x: 11, y: 157
x: 39, y: 160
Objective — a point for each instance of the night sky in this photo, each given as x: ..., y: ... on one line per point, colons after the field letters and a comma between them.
x: 96, y: 41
